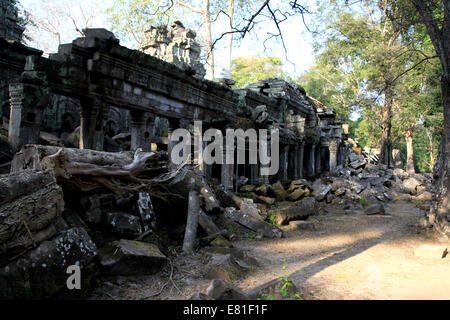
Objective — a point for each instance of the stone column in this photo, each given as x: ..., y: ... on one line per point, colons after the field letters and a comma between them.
x: 300, y: 152
x: 318, y: 168
x: 284, y: 162
x: 173, y: 125
x: 295, y: 162
x: 265, y: 178
x: 91, y: 124
x: 227, y: 171
x: 333, y: 155
x: 137, y: 129
x: 141, y: 127
x: 311, y: 162
x: 27, y: 107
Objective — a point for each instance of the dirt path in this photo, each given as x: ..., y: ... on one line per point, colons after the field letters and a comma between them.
x: 356, y: 257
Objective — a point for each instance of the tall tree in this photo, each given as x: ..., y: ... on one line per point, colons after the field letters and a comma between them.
x: 250, y: 70
x: 437, y: 24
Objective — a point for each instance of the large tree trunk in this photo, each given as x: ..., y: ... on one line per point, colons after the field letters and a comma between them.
x: 230, y: 37
x: 409, y: 151
x: 29, y: 203
x: 386, y: 145
x: 208, y: 38
x: 440, y: 37
x: 192, y: 222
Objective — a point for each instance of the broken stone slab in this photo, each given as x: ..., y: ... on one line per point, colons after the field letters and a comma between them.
x: 411, y: 185
x: 295, y: 184
x: 301, y: 225
x: 340, y: 192
x: 221, y: 290
x: 130, y: 257
x: 296, y: 194
x: 223, y: 266
x: 358, y: 164
x: 123, y: 224
x: 265, y: 190
x: 253, y: 223
x: 279, y: 191
x: 248, y: 207
x: 266, y: 200
x: 26, y: 217
x: 424, y: 196
x: 240, y: 256
x: 354, y: 157
x: 300, y: 210
x: 320, y: 190
x: 220, y: 241
x: 375, y: 209
x: 42, y: 272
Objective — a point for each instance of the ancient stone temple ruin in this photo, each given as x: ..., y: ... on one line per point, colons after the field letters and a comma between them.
x: 103, y: 76
x: 84, y: 173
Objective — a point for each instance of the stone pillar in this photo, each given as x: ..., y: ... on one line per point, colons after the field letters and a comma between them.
x: 311, y: 162
x: 92, y: 117
x: 265, y: 178
x: 27, y: 107
x: 173, y: 125
x: 137, y: 129
x: 318, y: 168
x: 284, y: 162
x: 227, y: 171
x: 333, y: 155
x: 295, y: 164
x: 300, y: 153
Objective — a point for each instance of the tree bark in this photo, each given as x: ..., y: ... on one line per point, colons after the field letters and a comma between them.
x: 440, y: 37
x: 208, y: 38
x: 192, y: 222
x: 386, y: 145
x: 409, y: 151
x: 230, y: 36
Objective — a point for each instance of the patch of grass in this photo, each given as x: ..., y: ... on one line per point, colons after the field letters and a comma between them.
x: 232, y: 229
x: 251, y: 236
x: 272, y: 218
x: 363, y: 201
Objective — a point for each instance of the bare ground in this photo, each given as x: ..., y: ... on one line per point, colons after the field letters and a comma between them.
x: 345, y: 257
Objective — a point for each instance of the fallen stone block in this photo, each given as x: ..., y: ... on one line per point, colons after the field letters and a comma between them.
x: 42, y: 272
x: 253, y: 222
x: 123, y: 224
x: 320, y: 190
x: 299, y: 211
x: 279, y: 191
x: 296, y: 194
x: 129, y: 257
x: 375, y: 209
x: 301, y: 225
x: 221, y: 290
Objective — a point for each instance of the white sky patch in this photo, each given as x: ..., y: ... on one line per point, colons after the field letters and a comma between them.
x: 297, y: 39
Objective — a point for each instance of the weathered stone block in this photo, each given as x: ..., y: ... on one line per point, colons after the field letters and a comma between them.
x: 129, y: 257
x: 41, y: 272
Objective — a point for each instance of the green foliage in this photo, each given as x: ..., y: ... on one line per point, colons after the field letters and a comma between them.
x: 251, y: 236
x: 361, y: 51
x: 131, y: 18
x: 272, y: 218
x: 363, y: 201
x: 250, y: 70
